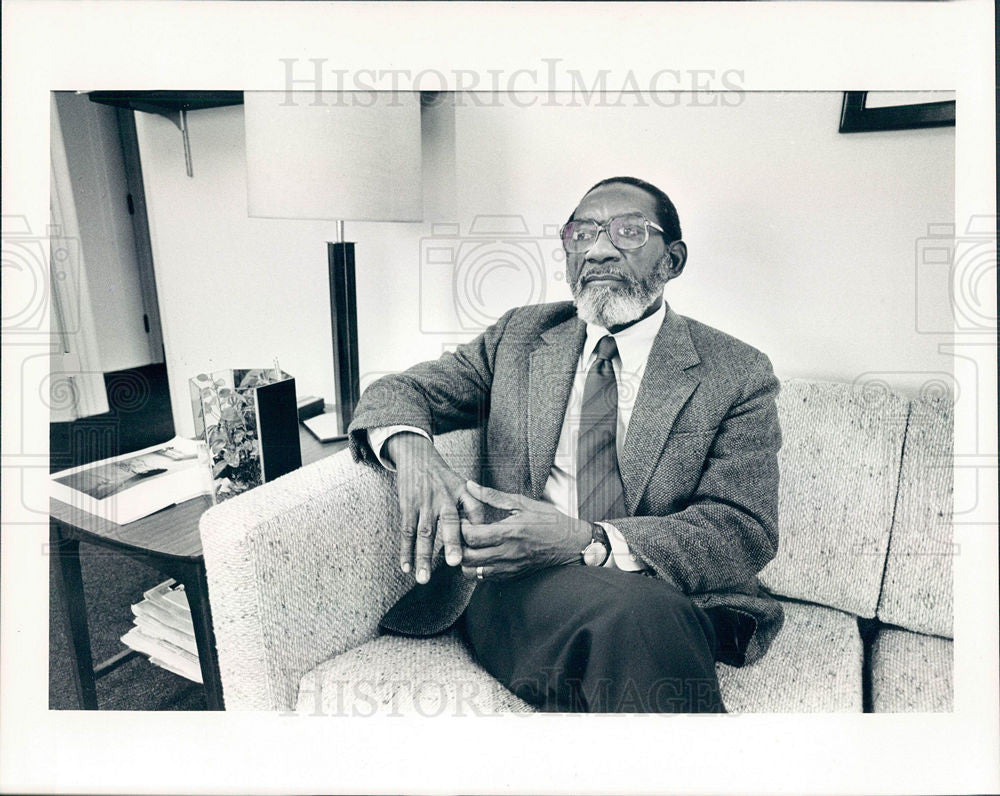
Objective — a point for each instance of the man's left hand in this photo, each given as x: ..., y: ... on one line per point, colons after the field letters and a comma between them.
x: 535, y: 535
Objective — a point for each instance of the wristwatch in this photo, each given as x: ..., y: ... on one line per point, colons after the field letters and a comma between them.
x: 598, y: 551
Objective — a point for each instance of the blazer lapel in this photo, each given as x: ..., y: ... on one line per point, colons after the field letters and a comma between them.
x: 551, y: 370
x: 664, y: 390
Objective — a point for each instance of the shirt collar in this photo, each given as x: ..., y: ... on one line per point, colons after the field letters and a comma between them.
x: 634, y: 342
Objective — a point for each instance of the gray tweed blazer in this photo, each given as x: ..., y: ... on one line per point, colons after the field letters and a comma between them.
x: 699, y: 463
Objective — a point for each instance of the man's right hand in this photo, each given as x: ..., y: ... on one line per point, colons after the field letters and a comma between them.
x: 432, y: 499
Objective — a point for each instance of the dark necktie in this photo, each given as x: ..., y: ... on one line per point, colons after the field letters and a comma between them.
x: 599, y: 490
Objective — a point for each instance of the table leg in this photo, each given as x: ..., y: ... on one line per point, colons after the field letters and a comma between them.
x: 67, y: 552
x: 196, y: 588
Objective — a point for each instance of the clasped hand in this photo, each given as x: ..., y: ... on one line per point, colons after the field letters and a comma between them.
x: 433, y: 499
x: 533, y: 535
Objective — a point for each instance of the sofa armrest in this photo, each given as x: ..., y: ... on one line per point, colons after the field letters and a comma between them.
x: 299, y: 569
x: 303, y: 568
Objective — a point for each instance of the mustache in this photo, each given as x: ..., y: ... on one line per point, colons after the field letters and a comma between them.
x: 659, y: 277
x: 596, y: 273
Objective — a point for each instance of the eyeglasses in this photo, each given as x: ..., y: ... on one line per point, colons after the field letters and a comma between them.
x: 630, y: 231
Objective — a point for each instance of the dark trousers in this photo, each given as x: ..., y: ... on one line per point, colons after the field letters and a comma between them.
x: 595, y: 639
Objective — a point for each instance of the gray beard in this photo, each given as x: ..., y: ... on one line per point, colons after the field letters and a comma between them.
x: 614, y: 305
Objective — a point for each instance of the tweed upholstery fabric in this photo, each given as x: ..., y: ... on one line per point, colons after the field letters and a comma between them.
x: 839, y: 470
x: 398, y: 675
x: 917, y: 587
x: 302, y: 568
x: 813, y: 666
x: 912, y: 673
x: 699, y: 463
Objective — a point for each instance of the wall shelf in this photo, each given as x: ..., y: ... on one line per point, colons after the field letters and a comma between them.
x: 172, y: 105
x: 163, y: 102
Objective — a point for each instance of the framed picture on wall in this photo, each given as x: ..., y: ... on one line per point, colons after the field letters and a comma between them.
x: 875, y: 111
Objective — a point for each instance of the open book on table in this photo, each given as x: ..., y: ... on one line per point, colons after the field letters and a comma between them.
x: 125, y: 488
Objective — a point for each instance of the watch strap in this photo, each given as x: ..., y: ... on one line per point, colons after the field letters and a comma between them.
x: 600, y: 535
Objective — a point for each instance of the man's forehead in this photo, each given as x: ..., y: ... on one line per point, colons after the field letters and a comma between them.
x: 614, y: 199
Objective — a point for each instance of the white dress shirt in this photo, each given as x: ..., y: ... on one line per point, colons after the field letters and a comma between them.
x: 634, y: 344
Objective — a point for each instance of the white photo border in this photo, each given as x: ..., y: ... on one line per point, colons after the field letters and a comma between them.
x: 228, y: 45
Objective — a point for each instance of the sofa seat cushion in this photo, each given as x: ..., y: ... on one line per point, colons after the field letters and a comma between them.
x: 912, y: 673
x: 398, y: 675
x: 813, y: 666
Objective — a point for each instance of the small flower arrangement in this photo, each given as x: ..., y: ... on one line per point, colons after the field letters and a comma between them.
x: 227, y: 408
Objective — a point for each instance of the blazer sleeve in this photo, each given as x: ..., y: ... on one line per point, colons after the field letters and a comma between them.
x: 438, y: 396
x: 728, y: 530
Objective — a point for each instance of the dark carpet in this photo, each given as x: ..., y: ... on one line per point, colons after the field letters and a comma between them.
x: 139, y: 416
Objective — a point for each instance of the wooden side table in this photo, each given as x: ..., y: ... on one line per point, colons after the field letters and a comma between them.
x: 169, y: 542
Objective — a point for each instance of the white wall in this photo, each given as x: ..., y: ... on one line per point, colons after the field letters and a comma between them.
x: 237, y: 292
x: 97, y: 177
x: 802, y: 240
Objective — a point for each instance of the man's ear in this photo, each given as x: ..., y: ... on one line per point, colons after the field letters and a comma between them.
x: 678, y: 252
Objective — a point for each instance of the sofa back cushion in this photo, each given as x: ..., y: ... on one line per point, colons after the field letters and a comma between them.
x: 839, y: 463
x: 917, y: 588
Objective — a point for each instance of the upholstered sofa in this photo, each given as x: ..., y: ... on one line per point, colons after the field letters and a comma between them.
x: 301, y: 569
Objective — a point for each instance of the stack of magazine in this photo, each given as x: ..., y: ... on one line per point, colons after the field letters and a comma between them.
x: 163, y: 630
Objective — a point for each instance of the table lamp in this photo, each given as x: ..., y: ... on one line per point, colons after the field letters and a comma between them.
x: 342, y: 156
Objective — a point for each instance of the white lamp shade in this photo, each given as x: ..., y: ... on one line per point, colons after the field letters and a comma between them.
x: 334, y: 155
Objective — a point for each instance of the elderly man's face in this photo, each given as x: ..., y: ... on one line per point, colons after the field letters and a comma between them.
x: 612, y: 286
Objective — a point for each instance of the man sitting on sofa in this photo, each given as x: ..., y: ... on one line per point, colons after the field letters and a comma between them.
x: 621, y: 440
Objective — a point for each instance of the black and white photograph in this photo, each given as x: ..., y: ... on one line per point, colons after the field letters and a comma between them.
x: 111, y: 479
x: 653, y: 391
